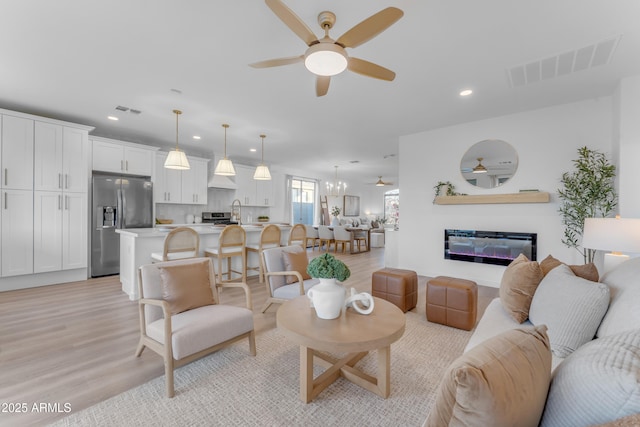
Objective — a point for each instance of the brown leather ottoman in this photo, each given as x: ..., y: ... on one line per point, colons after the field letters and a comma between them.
x: 399, y: 287
x: 452, y: 302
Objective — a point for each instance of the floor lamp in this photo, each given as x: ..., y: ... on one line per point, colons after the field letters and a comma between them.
x: 612, y: 234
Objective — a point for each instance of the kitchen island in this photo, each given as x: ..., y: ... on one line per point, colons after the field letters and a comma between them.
x: 137, y: 244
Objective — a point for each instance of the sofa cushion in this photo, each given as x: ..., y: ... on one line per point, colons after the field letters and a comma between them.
x: 501, y: 382
x: 623, y: 313
x: 186, y: 287
x: 296, y: 261
x: 598, y: 383
x: 519, y: 283
x: 571, y: 307
x: 586, y: 271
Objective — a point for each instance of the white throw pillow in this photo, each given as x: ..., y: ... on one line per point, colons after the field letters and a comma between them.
x: 624, y: 311
x: 571, y: 307
x: 598, y: 383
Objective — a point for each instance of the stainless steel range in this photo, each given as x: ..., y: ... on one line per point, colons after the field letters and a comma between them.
x: 217, y: 218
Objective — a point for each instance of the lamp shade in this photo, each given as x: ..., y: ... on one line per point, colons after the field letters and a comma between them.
x: 325, y: 59
x: 262, y: 173
x: 225, y: 167
x: 612, y: 234
x: 176, y: 159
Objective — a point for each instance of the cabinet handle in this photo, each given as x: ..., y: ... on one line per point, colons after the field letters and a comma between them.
x: 5, y: 177
x: 126, y: 165
x: 59, y: 180
x: 169, y: 194
x: 5, y: 199
x: 66, y: 202
x: 66, y: 180
x: 59, y: 202
x: 121, y: 165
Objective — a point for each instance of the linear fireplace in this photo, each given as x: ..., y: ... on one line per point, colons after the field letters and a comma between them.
x: 488, y: 247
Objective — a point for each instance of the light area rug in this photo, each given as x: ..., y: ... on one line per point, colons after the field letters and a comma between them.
x: 232, y: 388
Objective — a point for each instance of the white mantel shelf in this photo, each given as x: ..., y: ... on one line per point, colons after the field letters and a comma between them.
x: 479, y: 199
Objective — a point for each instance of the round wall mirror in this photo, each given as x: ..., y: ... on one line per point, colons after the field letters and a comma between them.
x: 489, y: 163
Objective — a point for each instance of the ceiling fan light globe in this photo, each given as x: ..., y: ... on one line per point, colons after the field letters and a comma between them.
x: 225, y: 168
x: 325, y: 59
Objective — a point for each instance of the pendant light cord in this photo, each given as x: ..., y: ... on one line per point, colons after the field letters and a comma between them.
x: 225, y: 126
x: 178, y: 112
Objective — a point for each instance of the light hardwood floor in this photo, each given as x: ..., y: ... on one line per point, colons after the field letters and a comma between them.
x: 74, y: 343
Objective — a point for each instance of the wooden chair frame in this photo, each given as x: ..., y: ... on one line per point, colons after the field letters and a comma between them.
x: 270, y: 235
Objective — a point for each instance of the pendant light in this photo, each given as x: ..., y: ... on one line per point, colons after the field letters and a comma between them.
x: 176, y: 159
x: 262, y: 171
x: 224, y: 166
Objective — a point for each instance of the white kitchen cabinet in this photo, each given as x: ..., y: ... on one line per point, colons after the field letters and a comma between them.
x: 119, y: 157
x: 47, y: 231
x: 246, y: 191
x: 17, y: 232
x: 184, y: 187
x: 74, y: 231
x: 17, y: 153
x: 194, y: 182
x: 252, y: 192
x: 60, y: 158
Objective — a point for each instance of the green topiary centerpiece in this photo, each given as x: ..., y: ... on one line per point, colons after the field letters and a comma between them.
x: 326, y: 266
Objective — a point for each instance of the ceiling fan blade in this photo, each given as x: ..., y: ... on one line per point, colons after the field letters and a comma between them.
x: 292, y: 21
x: 370, y: 27
x: 322, y: 85
x: 277, y: 62
x: 370, y: 69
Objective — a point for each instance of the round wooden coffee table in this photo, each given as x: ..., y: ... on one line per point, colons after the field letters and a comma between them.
x: 351, y: 333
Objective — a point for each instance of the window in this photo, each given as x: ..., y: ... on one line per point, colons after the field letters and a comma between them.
x: 392, y: 206
x: 303, y: 200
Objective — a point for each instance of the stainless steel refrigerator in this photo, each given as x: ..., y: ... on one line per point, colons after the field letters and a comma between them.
x: 118, y: 202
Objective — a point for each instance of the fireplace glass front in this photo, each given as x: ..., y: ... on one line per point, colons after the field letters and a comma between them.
x: 488, y: 247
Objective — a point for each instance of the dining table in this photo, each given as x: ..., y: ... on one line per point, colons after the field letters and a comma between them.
x: 355, y: 233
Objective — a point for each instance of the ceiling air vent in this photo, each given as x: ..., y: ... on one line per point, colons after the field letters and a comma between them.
x: 121, y: 108
x: 564, y: 63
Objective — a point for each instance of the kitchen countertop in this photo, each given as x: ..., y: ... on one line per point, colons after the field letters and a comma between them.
x: 162, y: 229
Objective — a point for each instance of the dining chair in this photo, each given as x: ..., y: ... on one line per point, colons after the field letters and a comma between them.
x: 180, y: 243
x: 269, y: 238
x: 312, y: 235
x: 341, y: 236
x: 326, y: 236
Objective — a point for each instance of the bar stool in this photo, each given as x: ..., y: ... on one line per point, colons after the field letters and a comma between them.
x: 298, y: 235
x: 269, y: 238
x: 231, y: 243
x: 180, y: 243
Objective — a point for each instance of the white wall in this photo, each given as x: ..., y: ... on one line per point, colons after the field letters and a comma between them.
x: 627, y: 135
x: 546, y: 141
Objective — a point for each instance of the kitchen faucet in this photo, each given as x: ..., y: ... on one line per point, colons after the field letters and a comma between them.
x: 238, y: 214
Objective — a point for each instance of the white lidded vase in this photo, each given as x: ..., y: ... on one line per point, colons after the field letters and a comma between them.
x: 328, y: 298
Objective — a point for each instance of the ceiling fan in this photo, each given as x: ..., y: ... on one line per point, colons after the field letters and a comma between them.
x: 381, y: 183
x: 326, y: 57
x: 480, y: 168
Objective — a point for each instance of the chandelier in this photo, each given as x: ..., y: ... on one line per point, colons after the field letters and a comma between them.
x: 336, y: 188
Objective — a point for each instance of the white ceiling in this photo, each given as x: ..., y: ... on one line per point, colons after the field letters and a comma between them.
x: 77, y: 60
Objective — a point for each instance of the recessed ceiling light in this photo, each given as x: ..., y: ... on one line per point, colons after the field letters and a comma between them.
x: 253, y: 150
x: 196, y: 137
x: 114, y: 118
x: 466, y: 92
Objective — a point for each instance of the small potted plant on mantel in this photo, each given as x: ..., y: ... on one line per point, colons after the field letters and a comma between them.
x: 328, y: 296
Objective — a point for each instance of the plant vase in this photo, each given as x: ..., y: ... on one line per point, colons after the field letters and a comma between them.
x: 335, y: 221
x: 328, y: 298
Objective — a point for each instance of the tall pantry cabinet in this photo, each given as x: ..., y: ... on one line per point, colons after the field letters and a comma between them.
x: 44, y: 200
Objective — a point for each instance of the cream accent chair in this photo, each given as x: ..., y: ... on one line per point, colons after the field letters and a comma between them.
x: 180, y: 243
x: 298, y: 235
x: 341, y: 237
x: 269, y: 238
x: 326, y: 236
x: 313, y: 236
x: 189, y: 335
x: 276, y: 277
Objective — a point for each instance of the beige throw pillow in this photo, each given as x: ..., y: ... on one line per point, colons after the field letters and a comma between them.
x: 296, y: 261
x: 586, y: 271
x: 501, y: 382
x: 519, y: 283
x: 186, y: 287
